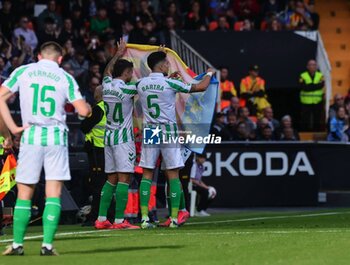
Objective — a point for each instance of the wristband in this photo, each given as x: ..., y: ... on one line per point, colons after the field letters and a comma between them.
x: 209, y: 74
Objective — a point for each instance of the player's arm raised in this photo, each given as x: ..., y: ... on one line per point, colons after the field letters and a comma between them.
x: 5, y: 115
x: 203, y: 85
x: 119, y: 53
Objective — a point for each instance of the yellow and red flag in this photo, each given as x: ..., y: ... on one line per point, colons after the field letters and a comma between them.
x: 8, y: 173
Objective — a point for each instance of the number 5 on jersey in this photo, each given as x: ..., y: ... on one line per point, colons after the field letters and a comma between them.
x: 153, y: 106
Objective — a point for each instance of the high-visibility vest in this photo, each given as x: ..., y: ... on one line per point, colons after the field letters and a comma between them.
x: 227, y: 86
x: 96, y: 135
x: 311, y: 97
x: 2, y: 140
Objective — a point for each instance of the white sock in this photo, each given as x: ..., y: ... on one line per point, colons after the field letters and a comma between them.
x: 48, y: 246
x: 15, y: 245
x: 102, y: 218
x: 118, y: 221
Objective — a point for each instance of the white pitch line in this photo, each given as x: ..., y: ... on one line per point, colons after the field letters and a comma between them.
x: 269, y: 218
x: 213, y: 222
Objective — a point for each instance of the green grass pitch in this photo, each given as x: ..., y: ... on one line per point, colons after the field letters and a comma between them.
x: 259, y: 237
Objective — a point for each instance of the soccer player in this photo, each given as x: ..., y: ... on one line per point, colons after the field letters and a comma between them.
x: 43, y: 89
x: 120, y: 151
x: 157, y: 95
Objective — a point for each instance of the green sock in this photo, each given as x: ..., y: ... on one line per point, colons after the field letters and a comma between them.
x: 169, y: 204
x: 51, y: 218
x: 21, y: 219
x: 182, y: 201
x: 106, y: 198
x: 121, y: 197
x: 145, y: 193
x: 175, y: 194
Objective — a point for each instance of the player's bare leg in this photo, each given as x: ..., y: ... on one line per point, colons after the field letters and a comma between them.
x: 145, y: 192
x: 21, y: 218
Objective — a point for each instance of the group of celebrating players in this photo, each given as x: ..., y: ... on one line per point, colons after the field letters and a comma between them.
x: 44, y: 88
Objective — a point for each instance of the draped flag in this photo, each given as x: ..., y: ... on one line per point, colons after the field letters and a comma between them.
x: 7, y: 178
x: 194, y: 111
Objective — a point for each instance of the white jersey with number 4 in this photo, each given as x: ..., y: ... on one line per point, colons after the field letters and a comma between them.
x: 44, y: 89
x: 157, y: 95
x: 119, y: 104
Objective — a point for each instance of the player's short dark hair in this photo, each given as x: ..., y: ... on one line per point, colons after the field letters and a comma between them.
x: 154, y: 58
x: 120, y: 66
x: 51, y: 46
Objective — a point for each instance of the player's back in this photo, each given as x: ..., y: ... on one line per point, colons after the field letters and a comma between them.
x: 118, y: 98
x: 43, y: 89
x: 157, y: 96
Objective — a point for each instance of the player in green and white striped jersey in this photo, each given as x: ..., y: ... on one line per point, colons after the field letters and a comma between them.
x: 120, y: 151
x: 43, y: 89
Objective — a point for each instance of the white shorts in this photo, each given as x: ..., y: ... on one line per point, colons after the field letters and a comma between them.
x: 120, y: 158
x: 185, y: 154
x: 171, y: 156
x: 32, y: 158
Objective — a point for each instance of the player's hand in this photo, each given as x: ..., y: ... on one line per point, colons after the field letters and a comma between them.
x: 162, y: 48
x: 176, y: 75
x: 210, y: 70
x: 17, y: 130
x: 121, y: 44
x: 7, y: 143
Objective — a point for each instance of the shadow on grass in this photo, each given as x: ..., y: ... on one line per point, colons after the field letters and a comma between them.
x: 119, y: 249
x: 66, y: 238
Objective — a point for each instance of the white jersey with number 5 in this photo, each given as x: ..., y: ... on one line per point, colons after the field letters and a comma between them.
x: 44, y: 89
x: 157, y: 95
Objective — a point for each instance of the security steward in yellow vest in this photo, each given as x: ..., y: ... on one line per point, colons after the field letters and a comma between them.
x: 311, y: 97
x: 94, y: 130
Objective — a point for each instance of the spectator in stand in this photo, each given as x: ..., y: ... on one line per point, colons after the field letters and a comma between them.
x: 3, y: 73
x: 7, y: 19
x: 231, y: 126
x: 88, y: 93
x: 67, y: 33
x: 338, y: 126
x: 221, y: 25
x: 267, y: 134
x: 273, y: 7
x: 286, y: 129
x: 146, y: 13
x: 79, y: 63
x: 310, y: 7
x: 118, y: 16
x: 5, y: 47
x: 165, y: 34
x: 247, y: 25
x: 242, y: 133
x: 219, y: 8
x: 194, y: 20
x: 233, y: 107
x: 252, y: 92
x: 68, y: 50
x: 299, y: 18
x: 311, y: 97
x: 261, y: 125
x: 243, y: 116
x: 78, y: 20
x: 219, y: 125
x: 127, y: 28
x: 273, y: 123
x: 288, y: 135
x: 227, y: 88
x: 144, y: 35
x: 49, y: 32
x: 274, y: 25
x: 24, y: 33
x: 174, y: 12
x: 100, y: 24
x: 49, y: 12
x: 246, y: 9
x: 338, y: 101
